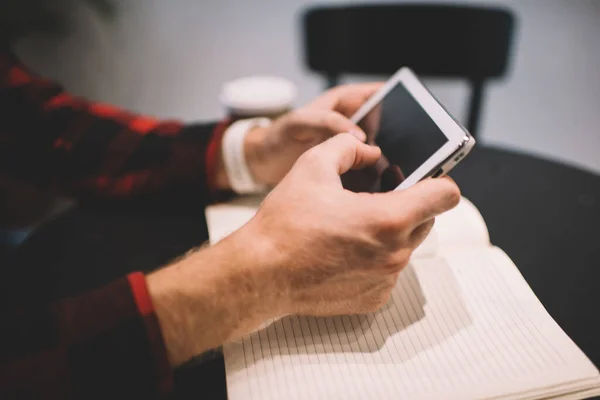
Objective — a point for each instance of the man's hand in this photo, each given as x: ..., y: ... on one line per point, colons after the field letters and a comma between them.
x: 271, y: 152
x: 337, y: 252
x: 313, y: 248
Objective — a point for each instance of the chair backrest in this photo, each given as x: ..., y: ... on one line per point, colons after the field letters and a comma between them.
x: 442, y: 41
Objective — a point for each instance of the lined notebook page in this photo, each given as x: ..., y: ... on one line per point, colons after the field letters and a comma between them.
x: 467, y: 326
x: 461, y: 228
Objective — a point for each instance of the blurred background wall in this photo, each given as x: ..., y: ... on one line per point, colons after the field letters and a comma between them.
x: 169, y: 58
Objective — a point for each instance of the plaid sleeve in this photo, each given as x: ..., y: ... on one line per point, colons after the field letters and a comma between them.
x: 104, y: 344
x: 89, y: 149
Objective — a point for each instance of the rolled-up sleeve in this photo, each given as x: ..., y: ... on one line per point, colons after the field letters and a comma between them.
x: 106, y: 343
x: 94, y: 150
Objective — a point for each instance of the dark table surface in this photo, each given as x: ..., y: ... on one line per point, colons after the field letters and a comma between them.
x: 545, y: 216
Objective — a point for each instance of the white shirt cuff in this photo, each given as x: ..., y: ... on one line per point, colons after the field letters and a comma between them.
x: 234, y: 157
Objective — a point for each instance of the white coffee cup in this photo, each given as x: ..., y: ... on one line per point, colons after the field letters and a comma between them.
x: 253, y: 96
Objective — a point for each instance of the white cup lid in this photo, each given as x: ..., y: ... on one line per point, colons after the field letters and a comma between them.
x: 256, y: 95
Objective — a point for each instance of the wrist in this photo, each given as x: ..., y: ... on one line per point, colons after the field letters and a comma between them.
x: 213, y: 296
x: 240, y: 149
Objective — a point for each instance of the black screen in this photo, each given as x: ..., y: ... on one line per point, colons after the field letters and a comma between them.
x: 406, y: 135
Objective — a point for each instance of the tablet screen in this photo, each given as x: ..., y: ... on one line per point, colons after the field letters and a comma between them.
x: 406, y: 135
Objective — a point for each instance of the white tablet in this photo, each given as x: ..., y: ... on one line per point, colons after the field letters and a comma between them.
x: 416, y: 134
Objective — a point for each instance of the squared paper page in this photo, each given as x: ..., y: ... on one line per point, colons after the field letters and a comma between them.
x: 461, y: 227
x: 462, y: 327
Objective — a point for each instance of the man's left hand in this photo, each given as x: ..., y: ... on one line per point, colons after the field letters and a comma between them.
x: 271, y: 152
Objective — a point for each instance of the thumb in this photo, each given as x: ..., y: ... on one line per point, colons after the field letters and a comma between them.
x: 344, y: 152
x: 324, y: 123
x: 420, y: 202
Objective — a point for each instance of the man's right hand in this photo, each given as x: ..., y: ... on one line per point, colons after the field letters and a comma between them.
x: 313, y: 248
x: 333, y: 251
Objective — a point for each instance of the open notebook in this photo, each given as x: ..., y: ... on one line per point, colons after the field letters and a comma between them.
x: 462, y: 323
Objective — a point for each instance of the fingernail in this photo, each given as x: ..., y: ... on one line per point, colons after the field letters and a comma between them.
x: 360, y: 135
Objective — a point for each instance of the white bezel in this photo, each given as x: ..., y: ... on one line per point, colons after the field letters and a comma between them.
x: 457, y: 136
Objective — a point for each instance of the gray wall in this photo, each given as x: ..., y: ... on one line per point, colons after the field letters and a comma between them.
x: 169, y: 58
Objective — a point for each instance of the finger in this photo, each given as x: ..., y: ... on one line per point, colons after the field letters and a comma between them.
x: 324, y: 124
x: 352, y: 97
x: 419, y: 203
x: 346, y: 99
x: 342, y: 153
x: 420, y: 233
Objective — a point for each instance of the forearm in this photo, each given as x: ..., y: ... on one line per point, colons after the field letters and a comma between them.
x: 213, y: 296
x: 52, y: 138
x: 101, y: 344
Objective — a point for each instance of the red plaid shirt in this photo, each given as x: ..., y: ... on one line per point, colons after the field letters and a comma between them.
x: 106, y: 343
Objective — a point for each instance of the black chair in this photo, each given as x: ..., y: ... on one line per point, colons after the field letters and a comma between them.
x: 440, y: 41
